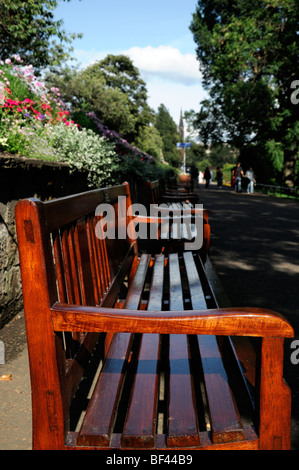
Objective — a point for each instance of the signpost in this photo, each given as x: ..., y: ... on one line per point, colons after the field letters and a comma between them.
x: 184, y: 145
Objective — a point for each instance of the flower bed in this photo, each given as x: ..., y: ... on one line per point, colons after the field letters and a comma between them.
x: 35, y: 123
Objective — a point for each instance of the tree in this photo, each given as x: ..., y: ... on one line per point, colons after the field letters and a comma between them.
x: 113, y: 89
x: 150, y: 141
x: 170, y: 136
x: 123, y: 77
x: 249, y: 59
x: 28, y: 28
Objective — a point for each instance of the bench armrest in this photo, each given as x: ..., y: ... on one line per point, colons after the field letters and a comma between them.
x: 226, y: 321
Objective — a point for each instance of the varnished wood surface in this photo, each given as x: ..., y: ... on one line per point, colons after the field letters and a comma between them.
x: 135, y: 344
x: 233, y: 322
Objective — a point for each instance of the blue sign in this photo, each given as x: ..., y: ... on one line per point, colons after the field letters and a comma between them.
x: 182, y: 145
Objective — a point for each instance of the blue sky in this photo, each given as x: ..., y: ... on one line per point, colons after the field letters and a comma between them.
x: 154, y: 34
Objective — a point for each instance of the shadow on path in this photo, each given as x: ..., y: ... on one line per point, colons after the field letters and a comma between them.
x: 255, y: 252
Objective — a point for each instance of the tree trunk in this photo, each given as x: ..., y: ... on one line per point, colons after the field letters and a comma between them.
x: 289, y: 166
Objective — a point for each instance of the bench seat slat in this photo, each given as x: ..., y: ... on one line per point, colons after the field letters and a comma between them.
x: 176, y: 302
x: 226, y: 426
x: 157, y: 285
x: 140, y: 427
x: 100, y: 416
x: 182, y: 428
x: 196, y: 291
x: 136, y: 289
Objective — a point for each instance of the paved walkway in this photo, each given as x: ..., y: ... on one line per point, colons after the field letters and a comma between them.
x: 254, y: 249
x: 255, y: 252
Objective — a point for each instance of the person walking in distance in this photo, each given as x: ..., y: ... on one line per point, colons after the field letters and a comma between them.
x: 250, y: 175
x: 219, y: 177
x: 239, y: 174
x: 207, y: 177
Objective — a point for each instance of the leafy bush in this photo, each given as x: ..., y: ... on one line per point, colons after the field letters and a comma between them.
x: 87, y: 151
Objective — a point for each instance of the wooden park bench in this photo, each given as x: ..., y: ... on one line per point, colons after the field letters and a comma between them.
x: 174, y: 204
x: 158, y: 192
x: 132, y: 351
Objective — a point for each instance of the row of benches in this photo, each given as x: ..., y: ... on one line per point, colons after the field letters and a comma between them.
x: 136, y: 349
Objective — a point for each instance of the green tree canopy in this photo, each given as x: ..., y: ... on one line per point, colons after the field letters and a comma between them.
x: 29, y: 29
x: 249, y: 59
x: 113, y: 89
x: 170, y: 136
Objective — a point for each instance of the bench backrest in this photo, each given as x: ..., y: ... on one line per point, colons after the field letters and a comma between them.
x: 65, y: 258
x: 155, y: 190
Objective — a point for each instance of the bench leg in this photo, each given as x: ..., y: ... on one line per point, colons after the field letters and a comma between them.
x: 275, y: 398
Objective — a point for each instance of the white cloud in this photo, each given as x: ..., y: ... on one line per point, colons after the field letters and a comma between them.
x: 171, y: 77
x: 166, y: 62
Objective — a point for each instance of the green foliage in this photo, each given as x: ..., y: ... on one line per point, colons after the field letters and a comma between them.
x: 222, y: 154
x: 87, y: 151
x: 113, y: 89
x: 136, y: 169
x: 202, y: 164
x: 195, y: 154
x: 150, y: 141
x: 170, y: 136
x: 33, y: 124
x: 249, y: 59
x: 30, y: 30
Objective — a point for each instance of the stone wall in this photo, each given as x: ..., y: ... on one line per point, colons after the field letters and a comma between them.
x: 21, y: 178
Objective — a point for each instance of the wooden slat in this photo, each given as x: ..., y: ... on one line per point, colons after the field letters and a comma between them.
x: 182, y: 426
x: 94, y: 259
x: 141, y: 420
x: 84, y: 265
x: 196, y: 291
x: 67, y: 267
x: 100, y: 416
x: 135, y: 292
x: 175, y: 287
x: 225, y: 420
x: 140, y: 427
x: 182, y: 417
x: 60, y: 212
x: 226, y: 424
x: 59, y: 267
x: 157, y: 285
x: 165, y: 229
x: 188, y: 231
